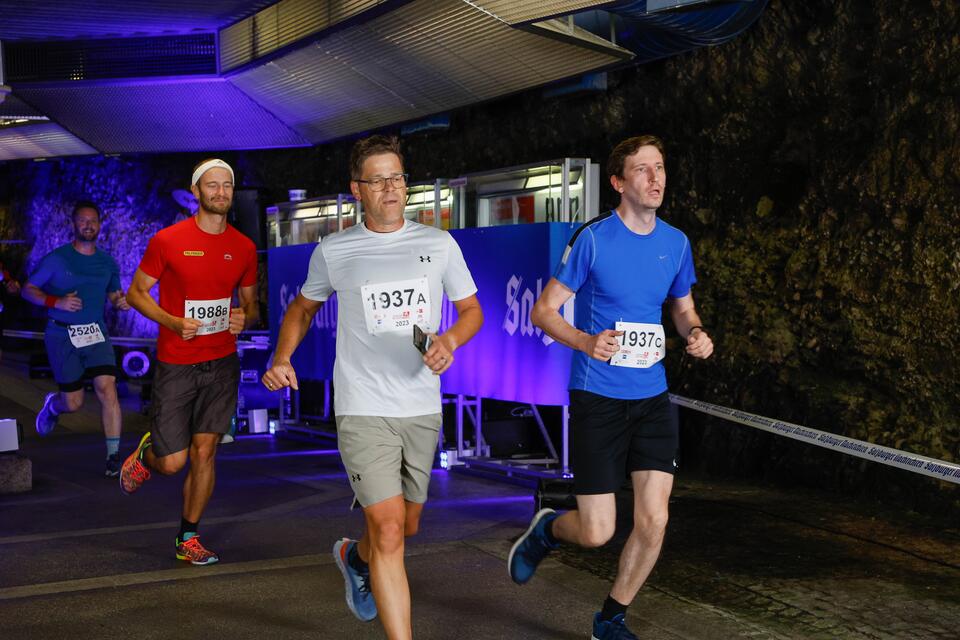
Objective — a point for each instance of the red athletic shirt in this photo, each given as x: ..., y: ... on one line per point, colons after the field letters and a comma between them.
x: 194, y: 265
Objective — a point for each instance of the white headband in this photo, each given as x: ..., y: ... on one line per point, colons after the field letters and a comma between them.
x: 206, y: 166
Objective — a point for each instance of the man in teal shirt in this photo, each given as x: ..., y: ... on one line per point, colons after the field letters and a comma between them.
x: 74, y: 282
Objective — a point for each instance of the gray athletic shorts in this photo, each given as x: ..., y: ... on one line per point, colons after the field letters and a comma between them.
x: 387, y: 457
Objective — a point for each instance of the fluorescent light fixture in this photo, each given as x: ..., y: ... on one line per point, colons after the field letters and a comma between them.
x: 306, y: 212
x: 320, y: 211
x: 552, y: 179
x: 541, y: 181
x: 425, y: 197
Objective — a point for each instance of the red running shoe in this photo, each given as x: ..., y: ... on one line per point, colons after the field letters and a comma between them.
x: 134, y: 473
x: 194, y: 552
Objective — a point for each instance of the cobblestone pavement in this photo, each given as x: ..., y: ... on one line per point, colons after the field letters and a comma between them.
x: 799, y: 564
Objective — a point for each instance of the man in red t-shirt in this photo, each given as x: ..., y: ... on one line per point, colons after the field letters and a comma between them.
x: 199, y: 263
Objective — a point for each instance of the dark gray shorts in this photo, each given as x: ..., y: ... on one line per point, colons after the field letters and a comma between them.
x: 192, y: 398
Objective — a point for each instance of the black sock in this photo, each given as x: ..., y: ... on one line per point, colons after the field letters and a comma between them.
x: 187, y: 527
x: 548, y: 532
x: 611, y: 608
x: 355, y: 561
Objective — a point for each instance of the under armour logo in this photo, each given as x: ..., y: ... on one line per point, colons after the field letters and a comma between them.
x: 354, y: 477
x: 424, y: 258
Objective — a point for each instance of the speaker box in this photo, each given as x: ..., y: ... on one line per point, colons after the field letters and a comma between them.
x: 39, y: 365
x: 513, y: 437
x: 252, y: 394
x: 249, y: 215
x: 554, y: 494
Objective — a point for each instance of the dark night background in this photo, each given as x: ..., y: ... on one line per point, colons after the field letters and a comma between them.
x: 814, y: 162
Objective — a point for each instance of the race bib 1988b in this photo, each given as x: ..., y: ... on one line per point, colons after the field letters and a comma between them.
x: 396, y: 306
x: 214, y: 314
x: 84, y: 335
x: 641, y: 345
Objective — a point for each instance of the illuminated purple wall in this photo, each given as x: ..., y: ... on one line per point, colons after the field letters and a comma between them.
x: 134, y: 195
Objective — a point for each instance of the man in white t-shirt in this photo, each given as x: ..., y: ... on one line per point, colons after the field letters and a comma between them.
x: 389, y: 274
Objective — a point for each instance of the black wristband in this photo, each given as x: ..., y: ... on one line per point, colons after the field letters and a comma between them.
x: 690, y: 332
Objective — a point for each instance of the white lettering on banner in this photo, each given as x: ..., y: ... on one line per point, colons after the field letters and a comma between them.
x: 893, y: 457
x: 325, y: 318
x: 520, y: 307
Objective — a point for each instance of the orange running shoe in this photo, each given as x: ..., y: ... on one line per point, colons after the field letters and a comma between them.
x: 194, y: 552
x: 133, y: 473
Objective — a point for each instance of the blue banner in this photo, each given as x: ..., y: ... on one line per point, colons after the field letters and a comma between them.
x: 286, y: 272
x: 509, y: 359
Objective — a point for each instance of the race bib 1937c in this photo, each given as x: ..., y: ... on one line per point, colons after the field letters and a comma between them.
x: 396, y: 306
x: 214, y: 314
x: 84, y: 335
x: 641, y: 345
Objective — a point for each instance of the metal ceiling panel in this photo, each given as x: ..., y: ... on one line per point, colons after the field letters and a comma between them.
x: 520, y: 11
x: 42, y: 140
x: 82, y: 59
x: 39, y: 20
x: 13, y: 108
x: 172, y: 115
x: 284, y: 24
x: 428, y: 56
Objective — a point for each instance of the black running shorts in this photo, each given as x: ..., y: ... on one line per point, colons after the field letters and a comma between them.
x: 192, y: 398
x: 612, y: 438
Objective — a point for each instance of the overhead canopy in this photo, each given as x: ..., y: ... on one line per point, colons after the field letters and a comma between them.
x: 144, y: 76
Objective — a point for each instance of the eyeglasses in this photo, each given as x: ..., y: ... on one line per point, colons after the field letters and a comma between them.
x: 397, y: 181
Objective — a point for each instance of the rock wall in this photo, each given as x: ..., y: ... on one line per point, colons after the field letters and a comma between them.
x: 815, y: 164
x: 134, y: 194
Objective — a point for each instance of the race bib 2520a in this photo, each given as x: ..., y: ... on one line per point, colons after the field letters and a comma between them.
x: 84, y: 335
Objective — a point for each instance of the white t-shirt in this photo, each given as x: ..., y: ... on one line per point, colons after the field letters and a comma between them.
x: 379, y: 281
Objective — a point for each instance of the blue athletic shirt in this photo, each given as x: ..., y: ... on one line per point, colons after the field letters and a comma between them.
x: 65, y: 269
x: 619, y: 275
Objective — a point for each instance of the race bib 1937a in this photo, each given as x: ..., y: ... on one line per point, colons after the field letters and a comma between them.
x: 214, y: 314
x: 84, y: 335
x: 396, y: 306
x: 641, y: 345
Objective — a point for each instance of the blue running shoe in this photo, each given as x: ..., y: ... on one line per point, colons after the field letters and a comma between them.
x: 46, y: 419
x: 357, y: 584
x: 531, y: 548
x: 615, y: 629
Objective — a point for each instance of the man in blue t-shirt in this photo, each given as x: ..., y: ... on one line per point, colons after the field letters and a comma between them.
x: 74, y: 281
x: 623, y: 266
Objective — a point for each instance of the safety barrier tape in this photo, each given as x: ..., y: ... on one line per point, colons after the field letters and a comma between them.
x: 932, y: 467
